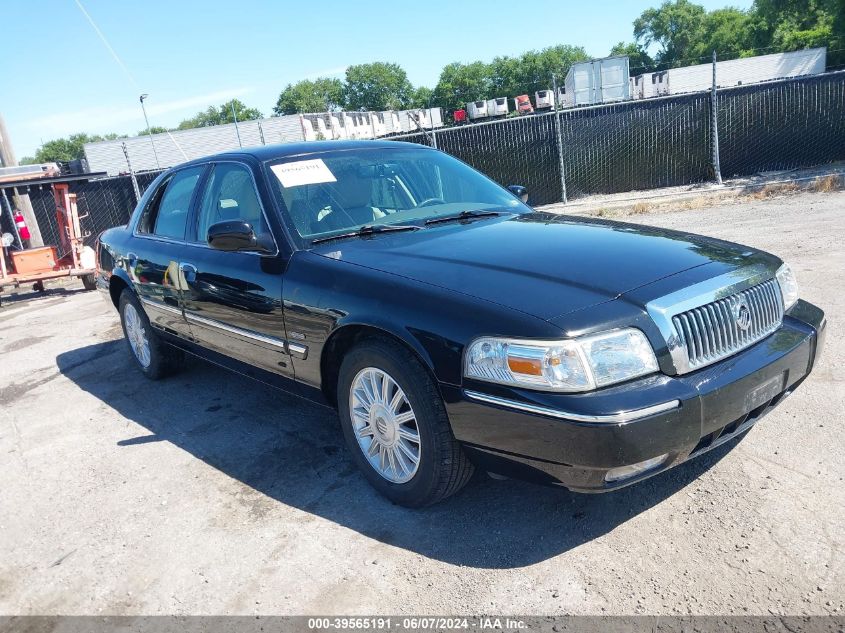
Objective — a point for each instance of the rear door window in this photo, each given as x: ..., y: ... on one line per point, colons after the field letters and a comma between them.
x: 167, y: 213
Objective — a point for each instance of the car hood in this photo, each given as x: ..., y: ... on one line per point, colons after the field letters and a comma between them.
x: 544, y: 264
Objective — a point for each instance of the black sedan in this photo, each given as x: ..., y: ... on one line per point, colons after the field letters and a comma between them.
x: 451, y: 325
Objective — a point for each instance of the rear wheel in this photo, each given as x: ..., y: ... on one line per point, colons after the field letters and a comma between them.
x: 396, y: 427
x: 155, y: 358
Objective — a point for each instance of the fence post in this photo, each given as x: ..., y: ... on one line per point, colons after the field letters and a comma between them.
x: 132, y: 175
x: 559, y: 141
x: 714, y: 126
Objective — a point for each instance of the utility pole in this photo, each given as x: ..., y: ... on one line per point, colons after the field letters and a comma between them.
x: 22, y: 201
x: 715, y: 126
x: 235, y: 116
x: 559, y: 141
x: 149, y: 131
x: 132, y: 174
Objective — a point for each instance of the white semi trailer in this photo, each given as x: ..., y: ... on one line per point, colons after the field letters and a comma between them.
x: 477, y: 110
x: 497, y: 107
x: 597, y: 81
x: 734, y: 72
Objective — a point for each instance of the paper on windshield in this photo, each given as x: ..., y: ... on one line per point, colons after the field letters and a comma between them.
x: 303, y: 172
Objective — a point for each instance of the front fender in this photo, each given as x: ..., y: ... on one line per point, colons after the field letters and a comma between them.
x: 323, y: 296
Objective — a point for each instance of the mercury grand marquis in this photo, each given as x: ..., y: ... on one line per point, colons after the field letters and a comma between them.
x: 449, y: 324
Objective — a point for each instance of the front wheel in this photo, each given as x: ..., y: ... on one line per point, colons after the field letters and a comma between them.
x: 88, y: 282
x: 396, y: 427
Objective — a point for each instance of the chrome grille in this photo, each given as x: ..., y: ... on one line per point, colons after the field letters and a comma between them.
x: 714, y: 331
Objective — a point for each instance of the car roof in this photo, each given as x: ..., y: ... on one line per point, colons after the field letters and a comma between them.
x: 284, y: 150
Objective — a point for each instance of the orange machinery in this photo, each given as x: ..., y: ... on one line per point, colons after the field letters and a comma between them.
x: 34, y: 265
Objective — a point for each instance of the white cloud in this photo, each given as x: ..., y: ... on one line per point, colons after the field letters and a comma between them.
x: 111, y: 118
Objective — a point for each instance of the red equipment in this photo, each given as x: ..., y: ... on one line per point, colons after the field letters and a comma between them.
x: 460, y: 116
x: 23, y: 229
x: 523, y: 104
x: 36, y: 265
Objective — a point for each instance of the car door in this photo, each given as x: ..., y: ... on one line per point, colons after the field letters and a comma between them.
x: 156, y: 249
x: 233, y: 299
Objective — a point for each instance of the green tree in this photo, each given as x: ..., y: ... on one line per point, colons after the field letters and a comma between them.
x: 505, y: 76
x: 460, y: 83
x: 218, y: 115
x: 377, y: 86
x: 320, y: 95
x: 422, y: 97
x: 639, y: 61
x: 70, y: 148
x: 675, y: 26
x: 533, y: 70
x: 789, y: 25
x: 687, y: 34
x: 728, y: 32
x: 538, y: 66
x: 154, y: 129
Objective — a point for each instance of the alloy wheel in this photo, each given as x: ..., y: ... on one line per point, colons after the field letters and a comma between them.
x: 385, y: 425
x: 136, y: 334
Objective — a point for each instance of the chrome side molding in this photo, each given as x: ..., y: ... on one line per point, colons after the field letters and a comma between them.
x: 285, y: 347
x: 157, y: 305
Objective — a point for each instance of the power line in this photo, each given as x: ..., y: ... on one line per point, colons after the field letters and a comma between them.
x: 107, y: 45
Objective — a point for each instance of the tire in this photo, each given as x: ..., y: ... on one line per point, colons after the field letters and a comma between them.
x: 442, y: 468
x: 159, y: 359
x: 88, y: 282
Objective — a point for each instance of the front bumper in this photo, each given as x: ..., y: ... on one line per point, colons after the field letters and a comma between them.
x: 554, y: 438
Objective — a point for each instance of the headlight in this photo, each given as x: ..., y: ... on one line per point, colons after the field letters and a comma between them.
x: 579, y: 364
x: 788, y: 286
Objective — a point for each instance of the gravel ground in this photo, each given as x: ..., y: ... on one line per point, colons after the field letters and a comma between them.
x: 208, y: 494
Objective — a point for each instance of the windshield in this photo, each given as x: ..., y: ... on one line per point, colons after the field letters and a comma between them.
x: 339, y: 191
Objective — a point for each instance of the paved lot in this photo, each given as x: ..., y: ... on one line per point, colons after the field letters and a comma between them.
x: 207, y: 494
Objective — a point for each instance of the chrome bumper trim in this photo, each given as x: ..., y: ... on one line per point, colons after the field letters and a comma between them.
x: 609, y: 418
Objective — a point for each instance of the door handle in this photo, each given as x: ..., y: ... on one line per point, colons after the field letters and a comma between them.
x: 189, y: 271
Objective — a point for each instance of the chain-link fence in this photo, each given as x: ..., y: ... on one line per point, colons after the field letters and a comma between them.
x: 782, y: 125
x: 513, y: 151
x: 101, y: 204
x: 636, y: 145
x: 658, y: 142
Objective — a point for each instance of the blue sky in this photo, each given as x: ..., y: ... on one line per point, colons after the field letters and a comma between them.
x: 188, y: 54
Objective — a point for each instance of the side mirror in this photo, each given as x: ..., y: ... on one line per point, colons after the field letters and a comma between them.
x: 519, y: 191
x: 234, y: 235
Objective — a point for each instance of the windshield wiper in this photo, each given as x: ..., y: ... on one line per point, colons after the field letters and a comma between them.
x: 368, y: 229
x: 463, y: 215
